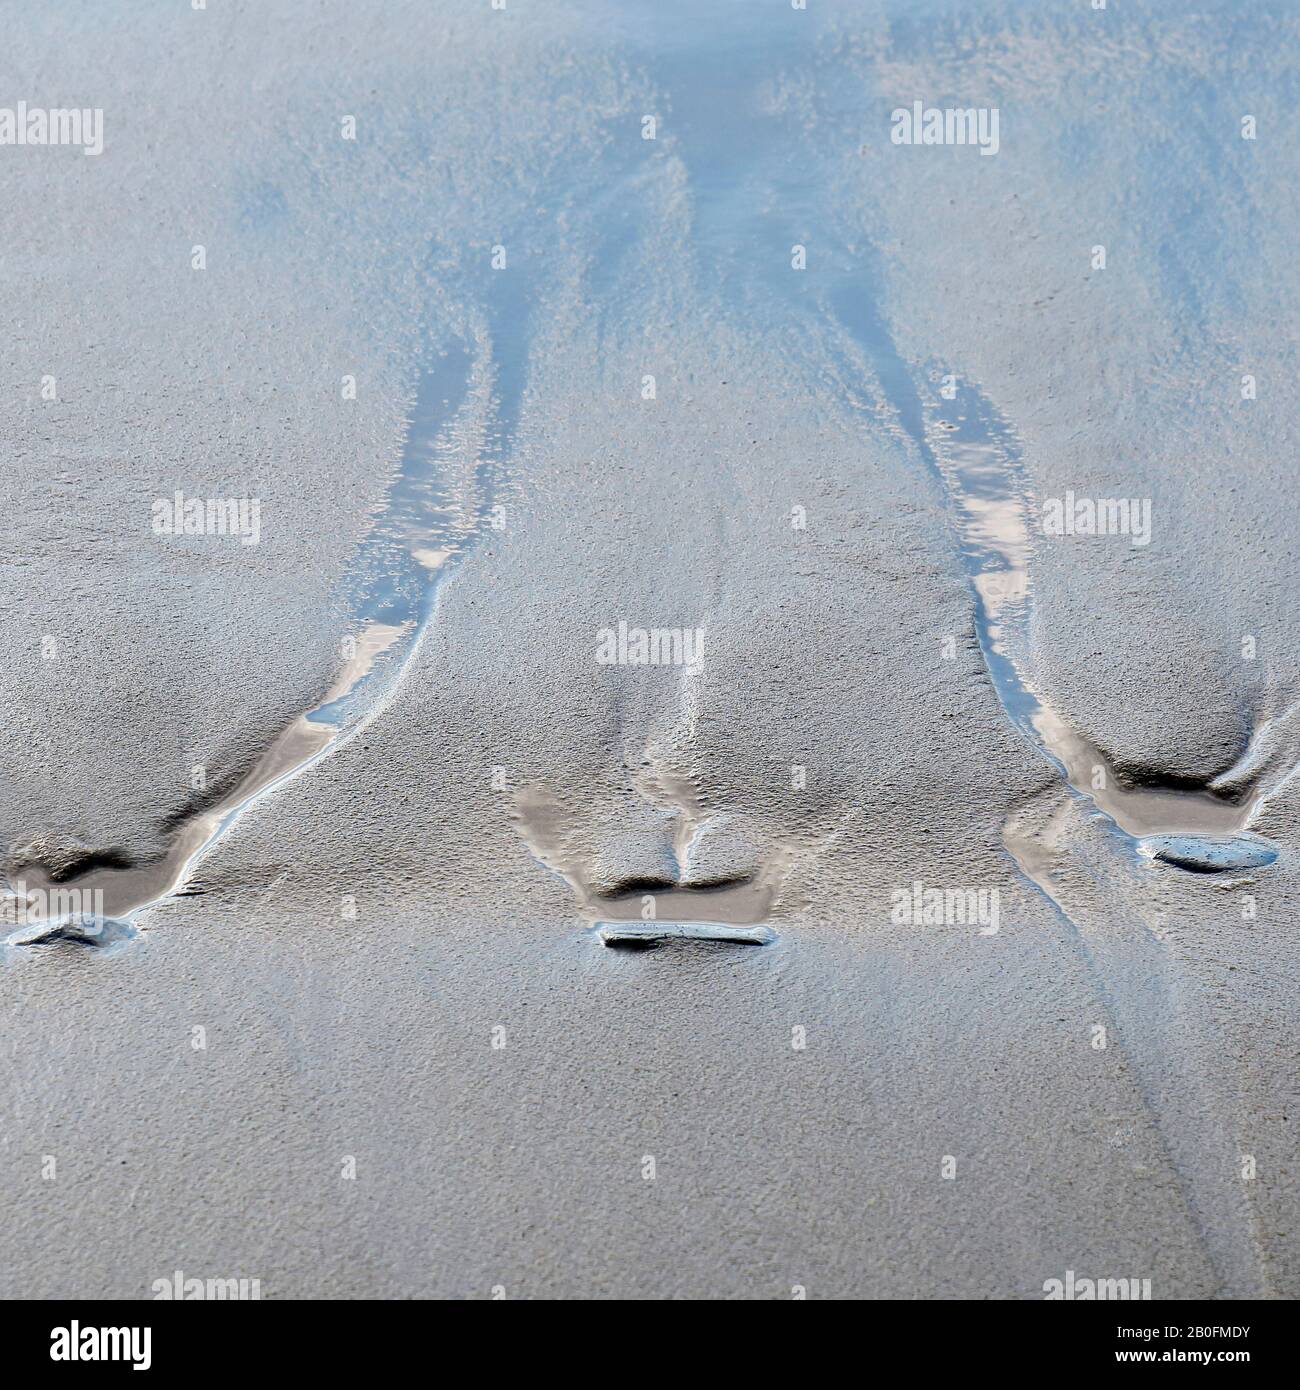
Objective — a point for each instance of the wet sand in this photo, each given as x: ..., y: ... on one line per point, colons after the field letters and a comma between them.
x: 421, y: 992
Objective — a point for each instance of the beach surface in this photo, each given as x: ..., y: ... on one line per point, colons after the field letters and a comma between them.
x: 520, y: 325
